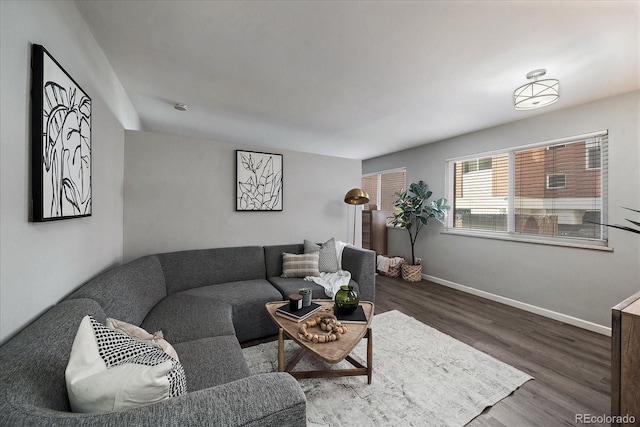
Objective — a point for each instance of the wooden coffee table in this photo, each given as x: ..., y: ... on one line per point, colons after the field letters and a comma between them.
x: 332, y: 352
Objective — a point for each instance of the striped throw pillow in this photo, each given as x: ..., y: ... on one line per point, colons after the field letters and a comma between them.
x: 300, y: 265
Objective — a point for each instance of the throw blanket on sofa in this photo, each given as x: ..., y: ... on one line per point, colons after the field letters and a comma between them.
x: 331, y: 282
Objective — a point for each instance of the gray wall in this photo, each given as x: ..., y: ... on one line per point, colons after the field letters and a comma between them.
x: 40, y: 263
x: 577, y: 283
x: 179, y: 194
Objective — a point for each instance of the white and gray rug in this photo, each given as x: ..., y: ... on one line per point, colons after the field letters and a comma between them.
x: 421, y: 377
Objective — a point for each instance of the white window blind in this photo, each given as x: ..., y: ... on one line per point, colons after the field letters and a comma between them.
x: 480, y: 200
x: 382, y: 187
x: 553, y: 190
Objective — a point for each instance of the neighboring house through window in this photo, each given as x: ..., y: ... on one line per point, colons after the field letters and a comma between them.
x: 558, y: 180
x: 593, y: 154
x: 553, y: 191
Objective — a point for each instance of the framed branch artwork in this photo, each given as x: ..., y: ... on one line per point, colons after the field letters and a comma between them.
x: 258, y: 181
x: 60, y: 142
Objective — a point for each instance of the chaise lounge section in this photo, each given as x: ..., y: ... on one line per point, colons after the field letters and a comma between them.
x: 206, y: 302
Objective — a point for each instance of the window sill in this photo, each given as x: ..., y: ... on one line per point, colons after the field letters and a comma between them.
x: 534, y: 240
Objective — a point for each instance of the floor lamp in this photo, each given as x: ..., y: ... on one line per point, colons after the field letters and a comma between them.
x: 355, y: 197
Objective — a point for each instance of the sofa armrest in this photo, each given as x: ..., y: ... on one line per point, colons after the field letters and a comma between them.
x: 361, y: 263
x: 249, y: 401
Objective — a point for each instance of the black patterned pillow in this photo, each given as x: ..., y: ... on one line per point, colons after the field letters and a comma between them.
x: 109, y: 371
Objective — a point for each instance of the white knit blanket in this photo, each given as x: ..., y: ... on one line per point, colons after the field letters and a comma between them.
x: 331, y: 282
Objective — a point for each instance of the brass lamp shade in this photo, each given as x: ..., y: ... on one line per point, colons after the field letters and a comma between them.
x: 356, y: 196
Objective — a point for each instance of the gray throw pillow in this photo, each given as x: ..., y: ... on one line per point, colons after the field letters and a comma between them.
x: 328, y: 261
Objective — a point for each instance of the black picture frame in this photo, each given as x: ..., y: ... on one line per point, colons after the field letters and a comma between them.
x: 259, y: 181
x: 60, y: 142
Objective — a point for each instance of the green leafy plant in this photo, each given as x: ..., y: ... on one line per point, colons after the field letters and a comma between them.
x: 412, y: 211
x: 624, y: 227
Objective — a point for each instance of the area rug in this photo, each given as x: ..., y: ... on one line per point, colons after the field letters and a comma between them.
x: 421, y: 377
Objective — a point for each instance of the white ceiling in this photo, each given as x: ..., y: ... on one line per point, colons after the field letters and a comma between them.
x: 358, y: 79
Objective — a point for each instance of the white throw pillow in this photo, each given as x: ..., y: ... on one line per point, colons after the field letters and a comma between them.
x: 156, y: 339
x: 110, y: 371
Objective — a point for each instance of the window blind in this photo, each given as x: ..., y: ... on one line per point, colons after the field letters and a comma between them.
x: 555, y: 189
x: 481, y: 190
x: 382, y: 187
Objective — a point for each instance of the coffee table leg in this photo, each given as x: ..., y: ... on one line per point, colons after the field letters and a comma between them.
x: 369, y: 355
x: 281, y: 350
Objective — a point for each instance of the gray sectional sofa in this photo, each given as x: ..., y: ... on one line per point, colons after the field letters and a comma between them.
x: 206, y: 302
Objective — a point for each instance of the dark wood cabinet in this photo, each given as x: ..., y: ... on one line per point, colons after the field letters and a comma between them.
x: 625, y: 359
x: 374, y: 231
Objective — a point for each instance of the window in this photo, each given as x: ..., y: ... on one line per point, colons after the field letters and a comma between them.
x: 593, y: 155
x: 551, y: 191
x: 557, y: 181
x: 382, y: 187
x: 477, y: 164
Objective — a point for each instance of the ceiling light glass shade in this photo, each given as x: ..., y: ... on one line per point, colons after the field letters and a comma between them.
x: 356, y: 196
x: 537, y: 93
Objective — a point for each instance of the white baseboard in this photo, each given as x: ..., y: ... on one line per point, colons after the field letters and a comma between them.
x: 584, y: 324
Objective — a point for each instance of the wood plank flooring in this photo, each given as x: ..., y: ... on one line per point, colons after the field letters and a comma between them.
x: 571, y: 366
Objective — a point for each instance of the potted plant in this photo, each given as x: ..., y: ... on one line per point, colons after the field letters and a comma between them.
x: 412, y: 212
x: 624, y: 227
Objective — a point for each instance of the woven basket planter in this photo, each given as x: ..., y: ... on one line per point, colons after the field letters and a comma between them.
x: 411, y: 273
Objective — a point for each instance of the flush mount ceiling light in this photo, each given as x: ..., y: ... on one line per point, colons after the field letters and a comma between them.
x: 180, y: 107
x: 537, y: 93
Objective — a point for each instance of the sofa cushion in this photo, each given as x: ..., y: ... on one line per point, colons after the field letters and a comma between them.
x: 328, y: 260
x: 247, y: 299
x: 127, y: 292
x: 212, y: 361
x: 136, y: 332
x: 182, y: 317
x: 110, y: 371
x: 273, y: 257
x: 192, y: 269
x: 288, y: 286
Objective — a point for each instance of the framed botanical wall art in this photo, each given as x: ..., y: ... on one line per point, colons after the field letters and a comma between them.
x: 258, y: 181
x: 60, y: 141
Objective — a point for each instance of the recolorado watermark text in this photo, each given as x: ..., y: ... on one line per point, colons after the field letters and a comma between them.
x: 605, y: 419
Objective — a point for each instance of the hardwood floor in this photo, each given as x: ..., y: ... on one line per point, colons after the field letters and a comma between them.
x: 571, y: 366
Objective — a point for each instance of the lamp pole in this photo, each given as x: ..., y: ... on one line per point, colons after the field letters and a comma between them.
x: 355, y: 197
x: 355, y: 213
